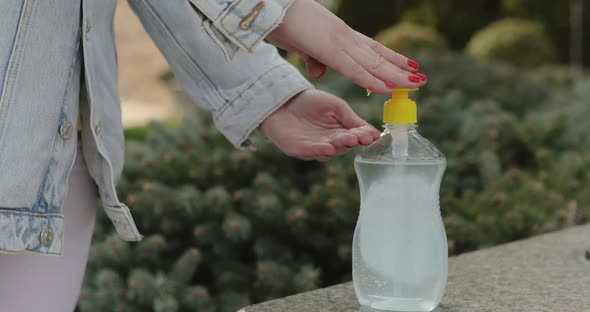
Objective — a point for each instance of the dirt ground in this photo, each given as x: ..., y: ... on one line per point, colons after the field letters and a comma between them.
x: 143, y: 96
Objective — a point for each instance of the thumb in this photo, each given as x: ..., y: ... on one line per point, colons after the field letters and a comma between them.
x: 314, y: 67
x: 350, y: 120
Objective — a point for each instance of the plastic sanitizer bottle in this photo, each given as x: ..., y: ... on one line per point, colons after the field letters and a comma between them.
x: 400, y: 245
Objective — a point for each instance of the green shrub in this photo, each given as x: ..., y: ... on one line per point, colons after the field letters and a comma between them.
x: 136, y: 133
x: 225, y: 228
x: 556, y: 18
x: 554, y: 75
x: 411, y: 38
x: 514, y: 41
x: 422, y: 14
x: 140, y: 132
x: 569, y: 108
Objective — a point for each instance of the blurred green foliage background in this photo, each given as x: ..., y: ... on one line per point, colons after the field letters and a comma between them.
x: 226, y: 228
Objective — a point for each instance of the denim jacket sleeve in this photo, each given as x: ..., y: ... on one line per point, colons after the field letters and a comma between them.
x: 241, y: 88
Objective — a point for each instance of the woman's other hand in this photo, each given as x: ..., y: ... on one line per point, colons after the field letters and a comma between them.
x: 323, y: 39
x: 316, y: 125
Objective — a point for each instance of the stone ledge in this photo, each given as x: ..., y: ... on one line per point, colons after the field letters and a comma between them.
x: 544, y: 273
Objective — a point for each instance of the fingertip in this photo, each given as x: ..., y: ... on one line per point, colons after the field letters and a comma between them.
x: 351, y: 141
x: 382, y: 89
x: 344, y: 140
x: 376, y: 134
x: 317, y: 72
x: 412, y: 64
x: 328, y: 151
x: 414, y: 79
x: 372, y: 131
x: 366, y: 140
x: 323, y: 150
x: 315, y: 69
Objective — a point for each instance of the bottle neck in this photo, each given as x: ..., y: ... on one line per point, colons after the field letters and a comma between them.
x: 400, y: 126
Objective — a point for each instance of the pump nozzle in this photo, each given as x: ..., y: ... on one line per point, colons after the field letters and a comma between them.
x: 400, y: 109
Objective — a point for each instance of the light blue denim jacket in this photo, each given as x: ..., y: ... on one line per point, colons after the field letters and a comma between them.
x: 214, y: 47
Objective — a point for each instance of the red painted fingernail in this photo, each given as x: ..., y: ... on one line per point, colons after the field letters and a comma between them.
x: 413, y: 64
x: 320, y: 73
x: 389, y: 85
x: 422, y: 76
x: 414, y: 78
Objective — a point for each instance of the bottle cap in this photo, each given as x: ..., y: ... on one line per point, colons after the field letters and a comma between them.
x: 400, y: 109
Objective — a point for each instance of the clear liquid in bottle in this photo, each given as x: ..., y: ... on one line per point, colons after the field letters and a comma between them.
x: 400, y: 245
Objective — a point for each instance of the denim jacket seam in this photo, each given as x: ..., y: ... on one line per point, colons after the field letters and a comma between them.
x: 250, y: 85
x: 217, y: 23
x: 283, y: 101
x: 63, y: 104
x: 91, y: 106
x: 15, y: 55
x: 295, y: 86
x: 201, y: 9
x: 30, y: 214
x: 16, y: 51
x: 14, y: 47
x: 90, y: 96
x: 118, y: 206
x: 8, y: 251
x: 207, y: 27
x: 261, y: 35
x: 181, y: 53
x: 136, y: 235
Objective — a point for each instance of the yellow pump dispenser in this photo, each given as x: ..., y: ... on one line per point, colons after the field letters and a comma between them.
x: 400, y: 109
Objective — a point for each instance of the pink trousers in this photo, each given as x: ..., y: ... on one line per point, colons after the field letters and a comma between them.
x: 30, y: 282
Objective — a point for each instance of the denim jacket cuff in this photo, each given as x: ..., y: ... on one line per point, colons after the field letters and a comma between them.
x: 244, y: 22
x: 240, y: 117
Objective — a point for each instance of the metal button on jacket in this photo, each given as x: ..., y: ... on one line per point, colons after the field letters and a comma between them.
x: 47, y: 237
x: 98, y: 129
x: 65, y: 130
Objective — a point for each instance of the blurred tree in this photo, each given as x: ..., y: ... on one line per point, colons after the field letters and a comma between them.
x: 422, y: 14
x: 369, y: 17
x: 555, y: 17
x: 458, y: 20
x: 411, y: 38
x: 512, y: 41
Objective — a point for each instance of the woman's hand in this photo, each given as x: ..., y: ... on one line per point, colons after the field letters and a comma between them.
x: 317, y: 125
x: 322, y: 39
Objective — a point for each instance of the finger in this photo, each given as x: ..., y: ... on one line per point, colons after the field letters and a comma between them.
x: 381, y: 68
x: 364, y: 135
x: 323, y: 150
x: 372, y: 131
x: 314, y: 150
x: 375, y: 133
x: 344, y: 140
x: 391, y: 56
x: 315, y: 69
x: 349, y: 119
x: 351, y: 69
x: 342, y: 151
x: 346, y: 116
x: 324, y: 159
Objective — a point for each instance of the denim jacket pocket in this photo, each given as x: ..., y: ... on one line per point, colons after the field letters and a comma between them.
x: 229, y: 48
x: 243, y: 22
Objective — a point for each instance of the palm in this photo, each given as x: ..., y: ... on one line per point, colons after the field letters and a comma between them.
x: 317, y: 125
